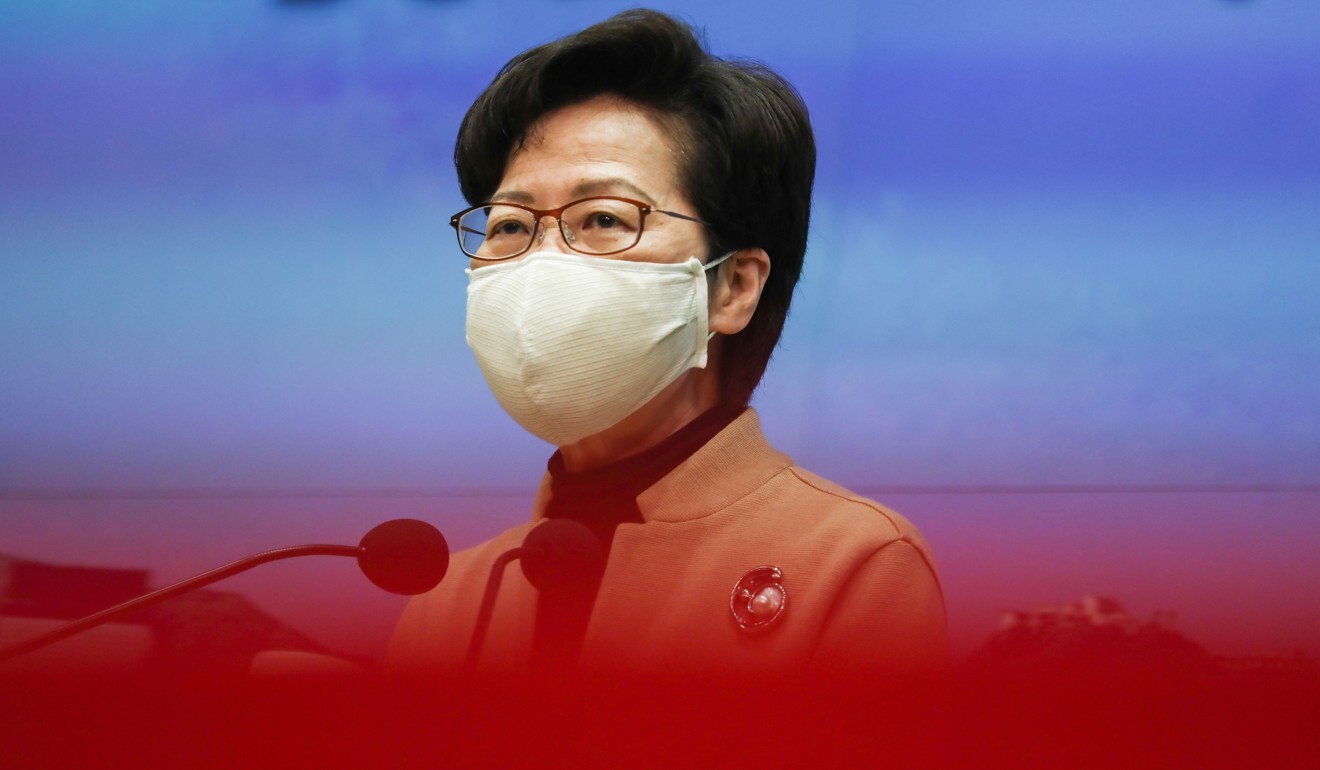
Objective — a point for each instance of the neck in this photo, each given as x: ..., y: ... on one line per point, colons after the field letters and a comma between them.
x: 693, y: 393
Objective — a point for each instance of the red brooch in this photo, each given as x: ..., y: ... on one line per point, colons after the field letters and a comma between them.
x: 759, y: 599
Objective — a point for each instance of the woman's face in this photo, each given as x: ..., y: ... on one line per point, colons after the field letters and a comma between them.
x: 604, y: 146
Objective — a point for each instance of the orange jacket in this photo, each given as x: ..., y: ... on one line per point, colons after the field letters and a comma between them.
x: 861, y: 587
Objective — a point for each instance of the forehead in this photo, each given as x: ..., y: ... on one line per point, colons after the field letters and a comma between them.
x: 604, y: 139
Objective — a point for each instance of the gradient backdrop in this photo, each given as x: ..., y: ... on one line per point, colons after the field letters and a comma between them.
x: 1060, y: 304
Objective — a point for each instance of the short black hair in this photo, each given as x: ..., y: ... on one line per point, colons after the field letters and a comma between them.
x: 747, y: 150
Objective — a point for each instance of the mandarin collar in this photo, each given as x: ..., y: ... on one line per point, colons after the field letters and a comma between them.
x: 733, y: 463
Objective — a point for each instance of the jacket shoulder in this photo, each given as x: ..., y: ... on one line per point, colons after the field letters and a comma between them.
x: 877, y: 523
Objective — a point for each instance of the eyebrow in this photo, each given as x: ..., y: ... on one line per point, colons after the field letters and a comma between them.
x: 603, y: 186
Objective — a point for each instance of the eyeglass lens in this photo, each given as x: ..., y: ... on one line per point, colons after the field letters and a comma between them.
x: 593, y: 226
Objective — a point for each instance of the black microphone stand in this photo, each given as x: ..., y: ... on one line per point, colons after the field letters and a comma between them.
x: 488, y: 600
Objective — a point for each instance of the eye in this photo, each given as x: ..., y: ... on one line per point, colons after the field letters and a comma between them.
x: 505, y: 227
x: 603, y: 215
x: 601, y: 220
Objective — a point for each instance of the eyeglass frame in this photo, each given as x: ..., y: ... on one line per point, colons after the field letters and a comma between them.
x: 643, y: 209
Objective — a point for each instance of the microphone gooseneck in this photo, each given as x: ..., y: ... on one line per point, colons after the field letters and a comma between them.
x: 402, y: 556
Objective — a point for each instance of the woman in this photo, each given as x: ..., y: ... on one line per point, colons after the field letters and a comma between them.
x: 639, y: 223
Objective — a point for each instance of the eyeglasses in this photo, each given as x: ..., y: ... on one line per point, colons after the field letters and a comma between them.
x: 596, y: 226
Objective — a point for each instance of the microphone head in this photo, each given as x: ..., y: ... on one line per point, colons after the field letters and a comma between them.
x: 563, y: 554
x: 404, y: 556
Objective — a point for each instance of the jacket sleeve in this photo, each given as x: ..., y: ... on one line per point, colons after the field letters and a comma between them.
x: 889, y: 617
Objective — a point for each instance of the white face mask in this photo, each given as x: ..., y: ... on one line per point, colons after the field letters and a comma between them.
x: 572, y: 344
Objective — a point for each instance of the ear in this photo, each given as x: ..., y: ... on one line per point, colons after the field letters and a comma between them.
x: 736, y: 289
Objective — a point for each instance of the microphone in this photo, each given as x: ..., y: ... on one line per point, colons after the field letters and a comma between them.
x: 558, y: 554
x: 561, y: 554
x: 402, y: 556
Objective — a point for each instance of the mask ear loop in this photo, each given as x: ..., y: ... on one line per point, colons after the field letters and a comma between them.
x: 716, y: 261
